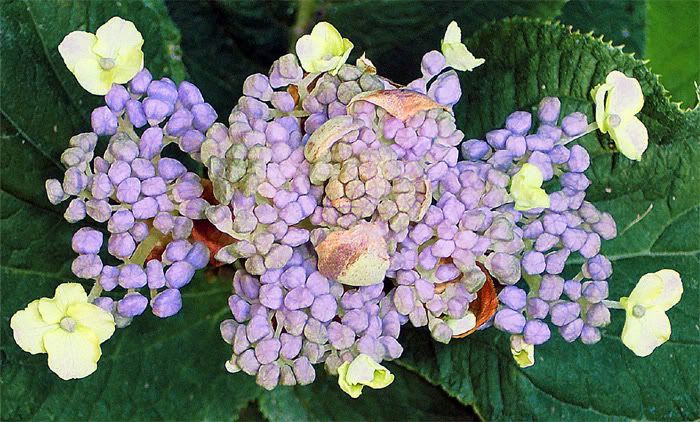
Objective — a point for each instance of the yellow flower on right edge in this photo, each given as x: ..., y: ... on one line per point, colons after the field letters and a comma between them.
x: 646, y: 324
x: 617, y: 101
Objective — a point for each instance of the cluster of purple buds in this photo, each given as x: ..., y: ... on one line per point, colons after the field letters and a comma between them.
x: 179, y: 109
x: 147, y: 201
x: 553, y: 235
x: 292, y: 317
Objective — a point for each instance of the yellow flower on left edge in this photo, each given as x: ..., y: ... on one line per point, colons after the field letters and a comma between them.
x: 66, y: 327
x: 111, y: 55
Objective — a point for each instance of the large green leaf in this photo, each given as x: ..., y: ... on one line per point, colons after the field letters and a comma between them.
x: 656, y: 204
x: 673, y: 46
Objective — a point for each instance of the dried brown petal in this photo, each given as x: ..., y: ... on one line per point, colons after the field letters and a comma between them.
x: 400, y: 103
x: 321, y: 141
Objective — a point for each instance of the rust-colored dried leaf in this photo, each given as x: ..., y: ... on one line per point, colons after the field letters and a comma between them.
x: 205, y: 232
x: 485, y: 305
x: 400, y: 103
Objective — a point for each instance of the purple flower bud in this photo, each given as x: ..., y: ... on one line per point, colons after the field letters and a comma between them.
x: 132, y: 304
x: 54, y: 191
x: 555, y: 261
x: 595, y: 291
x: 574, y: 124
x: 356, y: 319
x: 537, y: 308
x: 539, y: 143
x: 132, y: 276
x: 445, y: 89
x: 497, y: 138
x: 192, y: 141
x: 167, y: 303
x: 227, y: 328
x: 179, y: 123
x: 116, y: 98
x: 548, y: 112
x: 533, y: 230
x: 517, y: 145
x: 545, y: 242
x: 163, y: 90
x: 120, y: 222
x: 433, y: 62
x: 598, y: 315
x: 591, y: 247
x: 189, y: 94
x: 597, y: 268
x: 559, y: 154
x: 563, y: 313
x: 103, y: 121
x: 513, y: 297
x: 519, y: 122
x: 198, y: 256
x: 239, y: 308
x: 151, y: 143
x: 87, y: 266
x: 118, y: 172
x: 106, y: 303
x: 572, y: 330
x: 505, y: 267
x: 154, y: 274
x: 139, y: 84
x: 156, y: 110
x: 543, y: 163
x: 121, y: 245
x: 572, y: 289
x: 109, y: 277
x: 509, y: 321
x: 258, y: 328
x: 298, y: 298
x: 536, y: 332
x: 74, y: 181
x: 203, y: 116
x: 87, y: 241
x: 135, y: 113
x: 247, y: 362
x: 179, y: 274
x: 170, y: 169
x: 303, y: 371
x: 324, y: 308
x: 258, y: 86
x: 574, y: 239
x: 267, y: 351
x: 590, y: 335
x: 176, y: 250
x: 533, y: 262
x: 579, y: 159
x: 606, y: 226
x: 128, y: 190
x: 575, y: 181
x: 98, y: 210
x: 285, y: 71
x: 551, y: 287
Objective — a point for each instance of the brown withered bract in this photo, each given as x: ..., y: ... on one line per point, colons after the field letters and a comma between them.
x: 400, y: 103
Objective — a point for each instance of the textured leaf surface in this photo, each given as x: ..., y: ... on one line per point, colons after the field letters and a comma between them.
x: 673, y: 46
x: 656, y: 206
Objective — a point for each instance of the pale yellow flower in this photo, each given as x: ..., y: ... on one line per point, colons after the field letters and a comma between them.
x: 526, y: 188
x: 523, y: 353
x: 362, y: 371
x: 461, y: 325
x: 324, y: 50
x: 111, y: 55
x: 616, y: 103
x: 66, y: 327
x: 646, y: 324
x: 455, y: 52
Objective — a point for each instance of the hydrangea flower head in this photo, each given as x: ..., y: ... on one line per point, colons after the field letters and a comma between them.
x: 66, y: 327
x: 362, y: 371
x: 617, y: 101
x: 324, y: 50
x: 646, y: 324
x: 526, y: 188
x: 111, y: 55
x: 455, y: 52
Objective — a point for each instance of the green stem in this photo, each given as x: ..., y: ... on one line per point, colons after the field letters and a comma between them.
x: 305, y: 13
x: 590, y: 128
x: 612, y: 304
x: 144, y: 249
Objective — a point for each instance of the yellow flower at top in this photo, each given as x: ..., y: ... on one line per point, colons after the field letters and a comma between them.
x: 523, y: 353
x: 646, y: 324
x: 616, y: 103
x: 526, y: 188
x: 455, y: 52
x: 111, y: 55
x: 362, y: 371
x: 66, y: 327
x: 324, y: 50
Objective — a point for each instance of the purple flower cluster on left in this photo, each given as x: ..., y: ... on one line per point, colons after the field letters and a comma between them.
x: 148, y: 201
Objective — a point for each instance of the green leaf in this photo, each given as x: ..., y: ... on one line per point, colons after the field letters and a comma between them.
x: 673, y: 46
x: 656, y: 204
x: 407, y: 398
x: 621, y: 21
